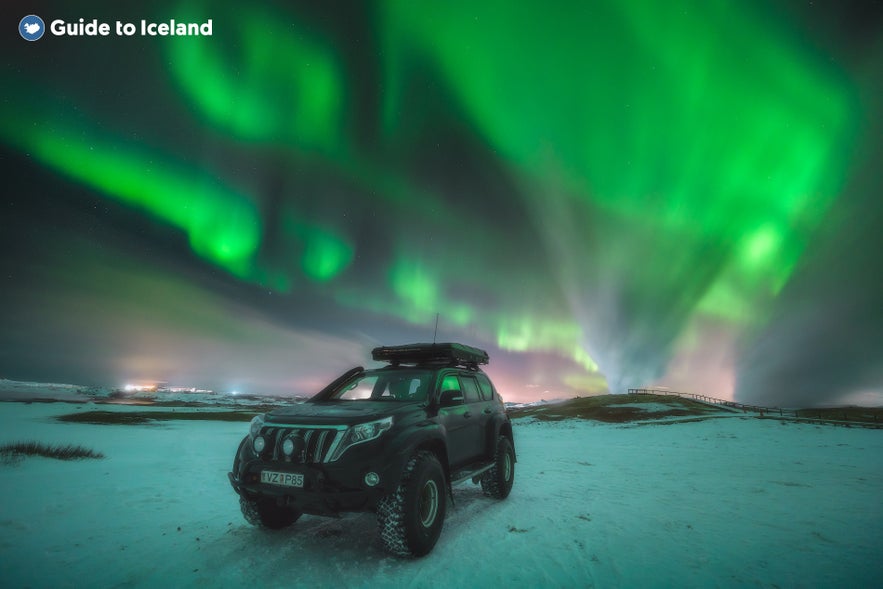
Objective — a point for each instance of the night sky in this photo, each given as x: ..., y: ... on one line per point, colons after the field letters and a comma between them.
x: 602, y: 194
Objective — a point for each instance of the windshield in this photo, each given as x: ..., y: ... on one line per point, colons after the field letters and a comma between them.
x: 392, y: 385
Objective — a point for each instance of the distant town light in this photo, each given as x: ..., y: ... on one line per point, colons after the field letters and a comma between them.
x: 162, y: 387
x: 137, y: 388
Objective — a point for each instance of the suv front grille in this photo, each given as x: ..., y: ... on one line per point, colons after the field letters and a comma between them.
x: 312, y: 445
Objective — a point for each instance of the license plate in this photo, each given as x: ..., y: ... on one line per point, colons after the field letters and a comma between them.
x: 284, y: 479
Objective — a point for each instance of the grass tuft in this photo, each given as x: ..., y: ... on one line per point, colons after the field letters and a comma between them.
x: 16, y: 451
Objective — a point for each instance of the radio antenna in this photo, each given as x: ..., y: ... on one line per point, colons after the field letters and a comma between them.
x: 435, y: 335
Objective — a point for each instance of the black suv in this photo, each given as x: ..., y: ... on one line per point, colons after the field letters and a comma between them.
x: 393, y: 440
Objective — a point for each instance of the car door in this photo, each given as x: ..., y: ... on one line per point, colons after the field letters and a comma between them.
x: 456, y: 420
x: 477, y: 415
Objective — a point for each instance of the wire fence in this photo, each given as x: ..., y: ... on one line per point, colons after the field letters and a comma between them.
x: 826, y: 416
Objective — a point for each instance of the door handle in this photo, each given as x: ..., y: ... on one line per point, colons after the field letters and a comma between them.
x: 487, y: 411
x: 467, y: 415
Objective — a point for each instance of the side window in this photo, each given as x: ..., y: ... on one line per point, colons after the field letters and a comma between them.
x: 450, y: 382
x: 470, y: 389
x: 487, y: 389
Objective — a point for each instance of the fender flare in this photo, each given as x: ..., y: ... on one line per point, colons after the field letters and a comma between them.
x: 422, y: 437
x: 502, y: 427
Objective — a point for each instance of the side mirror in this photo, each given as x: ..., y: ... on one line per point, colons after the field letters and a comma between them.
x: 450, y: 398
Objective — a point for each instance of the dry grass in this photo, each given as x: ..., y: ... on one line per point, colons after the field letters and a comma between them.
x: 149, y: 417
x: 860, y: 414
x: 605, y: 408
x: 16, y: 451
x: 601, y: 408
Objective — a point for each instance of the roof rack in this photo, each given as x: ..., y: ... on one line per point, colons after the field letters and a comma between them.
x: 447, y: 353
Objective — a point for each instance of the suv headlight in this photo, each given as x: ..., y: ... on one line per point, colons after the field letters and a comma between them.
x: 257, y: 422
x: 361, y: 433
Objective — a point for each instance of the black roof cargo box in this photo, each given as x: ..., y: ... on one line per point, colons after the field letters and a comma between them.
x: 447, y: 353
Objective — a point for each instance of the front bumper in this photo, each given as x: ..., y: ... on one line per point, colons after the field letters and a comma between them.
x: 328, y: 489
x: 317, y: 502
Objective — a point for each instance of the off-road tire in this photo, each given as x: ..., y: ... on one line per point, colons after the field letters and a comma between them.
x: 497, y: 482
x: 410, y: 519
x: 266, y: 513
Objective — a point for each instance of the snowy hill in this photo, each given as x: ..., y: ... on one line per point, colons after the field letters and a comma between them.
x: 15, y: 390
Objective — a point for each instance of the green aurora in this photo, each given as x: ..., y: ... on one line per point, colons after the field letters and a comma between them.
x: 617, y: 185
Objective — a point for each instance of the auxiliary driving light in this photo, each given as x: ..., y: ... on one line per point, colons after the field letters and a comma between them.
x: 372, y: 478
x: 288, y: 447
x: 259, y: 444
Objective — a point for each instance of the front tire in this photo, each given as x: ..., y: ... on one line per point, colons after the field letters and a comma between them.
x: 266, y: 513
x: 497, y: 482
x: 410, y: 519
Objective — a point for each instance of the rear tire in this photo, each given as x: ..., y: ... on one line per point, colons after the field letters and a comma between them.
x: 497, y: 482
x: 410, y: 519
x: 266, y: 513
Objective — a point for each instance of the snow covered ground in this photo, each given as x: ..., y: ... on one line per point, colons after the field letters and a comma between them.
x: 728, y: 502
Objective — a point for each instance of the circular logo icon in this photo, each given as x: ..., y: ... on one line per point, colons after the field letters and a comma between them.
x: 31, y: 27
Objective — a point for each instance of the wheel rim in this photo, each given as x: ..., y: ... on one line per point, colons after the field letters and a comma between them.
x: 428, y: 506
x: 507, y: 467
